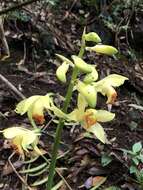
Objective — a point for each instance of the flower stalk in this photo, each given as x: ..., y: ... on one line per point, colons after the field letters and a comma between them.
x: 61, y: 121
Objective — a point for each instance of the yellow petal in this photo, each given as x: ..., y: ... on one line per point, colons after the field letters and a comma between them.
x: 92, y: 36
x: 16, y: 144
x: 75, y: 115
x: 89, y: 93
x: 21, y: 137
x: 98, y: 131
x: 91, y: 77
x: 104, y: 86
x: 114, y: 80
x: 61, y: 72
x: 29, y: 138
x: 64, y: 59
x: 102, y: 115
x: 11, y: 132
x: 81, y: 64
x: 23, y: 106
x: 103, y: 49
x: 81, y: 103
x: 111, y: 94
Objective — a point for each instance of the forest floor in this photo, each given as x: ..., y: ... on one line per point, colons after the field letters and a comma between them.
x: 31, y: 69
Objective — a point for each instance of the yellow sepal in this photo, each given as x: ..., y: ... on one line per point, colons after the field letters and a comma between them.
x: 81, y: 64
x: 103, y: 49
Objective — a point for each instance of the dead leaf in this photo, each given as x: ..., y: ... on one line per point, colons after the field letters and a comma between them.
x: 98, y: 181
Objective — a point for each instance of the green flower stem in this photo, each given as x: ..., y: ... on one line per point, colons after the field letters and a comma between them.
x: 61, y: 121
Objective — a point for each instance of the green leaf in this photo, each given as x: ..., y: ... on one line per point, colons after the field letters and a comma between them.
x: 105, y: 160
x: 140, y: 157
x: 98, y: 131
x: 34, y: 169
x: 135, y: 160
x: 40, y: 182
x: 58, y: 185
x: 133, y: 169
x: 137, y: 147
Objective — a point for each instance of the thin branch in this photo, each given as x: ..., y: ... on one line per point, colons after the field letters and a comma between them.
x: 12, y: 87
x: 18, y: 6
x: 15, y: 171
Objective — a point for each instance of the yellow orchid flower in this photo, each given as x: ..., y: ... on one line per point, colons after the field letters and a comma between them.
x: 22, y: 139
x: 105, y: 86
x: 90, y: 118
x: 34, y: 106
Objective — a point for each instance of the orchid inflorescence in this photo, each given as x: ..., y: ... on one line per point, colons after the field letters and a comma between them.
x: 85, y: 112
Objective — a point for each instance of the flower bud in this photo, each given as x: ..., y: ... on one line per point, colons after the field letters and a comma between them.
x: 103, y: 49
x: 91, y: 77
x: 61, y: 72
x: 92, y: 36
x: 89, y: 93
x: 81, y: 65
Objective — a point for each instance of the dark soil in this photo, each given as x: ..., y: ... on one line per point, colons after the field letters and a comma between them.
x: 36, y: 75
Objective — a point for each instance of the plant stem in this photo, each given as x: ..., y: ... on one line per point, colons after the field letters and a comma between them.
x: 61, y: 121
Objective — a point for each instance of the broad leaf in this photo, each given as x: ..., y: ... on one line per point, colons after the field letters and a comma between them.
x: 137, y: 147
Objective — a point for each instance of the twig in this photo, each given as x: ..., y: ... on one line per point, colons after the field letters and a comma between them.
x: 18, y: 6
x: 19, y: 176
x: 3, y: 39
x: 12, y: 87
x: 68, y: 12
